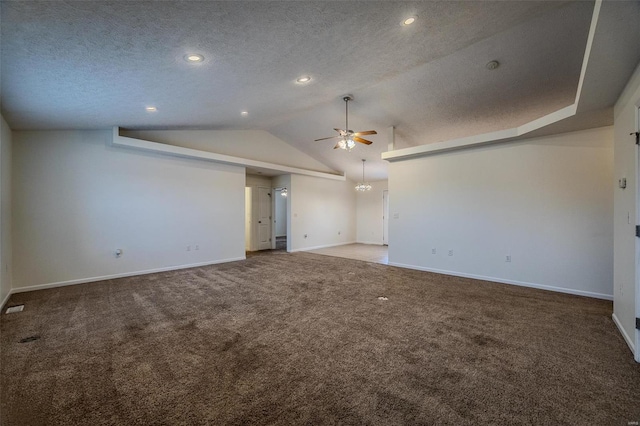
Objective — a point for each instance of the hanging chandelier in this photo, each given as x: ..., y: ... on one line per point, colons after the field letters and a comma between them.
x: 363, y: 186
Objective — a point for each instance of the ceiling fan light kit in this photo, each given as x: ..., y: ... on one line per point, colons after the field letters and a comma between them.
x: 347, y: 144
x: 348, y: 138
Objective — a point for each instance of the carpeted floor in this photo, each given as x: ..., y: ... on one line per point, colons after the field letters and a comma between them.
x: 303, y: 339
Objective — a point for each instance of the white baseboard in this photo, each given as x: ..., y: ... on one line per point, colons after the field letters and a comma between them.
x: 324, y: 246
x: 123, y: 275
x: 627, y: 338
x: 6, y: 299
x: 373, y: 243
x: 503, y: 281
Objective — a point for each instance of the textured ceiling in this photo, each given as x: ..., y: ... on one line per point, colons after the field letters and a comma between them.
x: 97, y: 64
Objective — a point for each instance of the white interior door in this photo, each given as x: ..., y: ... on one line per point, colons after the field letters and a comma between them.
x: 263, y: 209
x: 385, y: 217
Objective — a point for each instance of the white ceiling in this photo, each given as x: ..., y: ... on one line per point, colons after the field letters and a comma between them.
x: 97, y: 64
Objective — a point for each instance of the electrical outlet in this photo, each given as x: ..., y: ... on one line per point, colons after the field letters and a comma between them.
x: 433, y: 251
x: 508, y: 258
x: 450, y: 252
x: 622, y: 183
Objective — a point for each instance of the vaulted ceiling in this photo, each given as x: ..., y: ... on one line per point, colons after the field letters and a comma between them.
x: 98, y: 64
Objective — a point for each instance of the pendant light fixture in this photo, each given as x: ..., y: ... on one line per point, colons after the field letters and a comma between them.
x: 363, y: 186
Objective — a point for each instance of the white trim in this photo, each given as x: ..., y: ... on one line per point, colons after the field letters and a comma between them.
x: 503, y: 281
x: 624, y: 333
x: 483, y: 139
x: 506, y: 135
x: 587, y: 53
x: 627, y: 94
x: 377, y: 243
x: 178, y: 151
x: 324, y: 246
x: 6, y: 299
x: 123, y: 275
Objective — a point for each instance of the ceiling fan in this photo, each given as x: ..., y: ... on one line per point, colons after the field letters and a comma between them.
x: 348, y: 138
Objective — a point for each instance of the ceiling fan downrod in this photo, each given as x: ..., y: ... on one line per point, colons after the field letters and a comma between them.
x: 346, y: 112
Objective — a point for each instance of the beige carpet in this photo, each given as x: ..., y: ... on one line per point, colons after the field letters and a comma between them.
x: 303, y: 339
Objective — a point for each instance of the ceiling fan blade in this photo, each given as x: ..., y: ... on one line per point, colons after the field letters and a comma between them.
x: 367, y: 132
x: 364, y: 141
x: 342, y: 132
x: 330, y: 137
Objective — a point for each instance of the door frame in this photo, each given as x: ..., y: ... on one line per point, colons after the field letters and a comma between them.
x: 385, y: 217
x: 637, y: 240
x: 277, y: 192
x: 256, y: 216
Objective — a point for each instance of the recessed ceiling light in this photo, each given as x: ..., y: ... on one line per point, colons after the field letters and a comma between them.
x: 304, y: 79
x: 410, y: 20
x: 193, y: 57
x: 151, y: 109
x: 244, y: 113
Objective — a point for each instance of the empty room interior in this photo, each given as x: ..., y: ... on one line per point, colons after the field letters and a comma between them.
x: 316, y: 212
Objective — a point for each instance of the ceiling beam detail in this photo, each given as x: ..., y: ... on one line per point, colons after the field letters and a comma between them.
x: 177, y: 151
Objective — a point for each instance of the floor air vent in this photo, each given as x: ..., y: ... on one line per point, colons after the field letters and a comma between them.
x: 14, y: 309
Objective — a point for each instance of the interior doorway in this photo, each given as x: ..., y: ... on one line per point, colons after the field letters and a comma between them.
x: 385, y: 217
x: 280, y: 218
x: 247, y: 218
x: 267, y: 212
x: 258, y: 218
x: 263, y: 216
